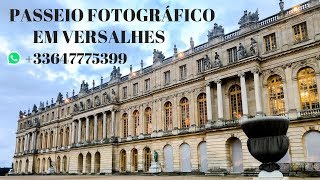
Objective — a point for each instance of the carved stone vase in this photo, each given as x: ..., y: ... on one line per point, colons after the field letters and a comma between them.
x: 267, y: 141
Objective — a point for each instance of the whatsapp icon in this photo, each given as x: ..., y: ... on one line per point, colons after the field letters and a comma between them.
x: 14, y: 57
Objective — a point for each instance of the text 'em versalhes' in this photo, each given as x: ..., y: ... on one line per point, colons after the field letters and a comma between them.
x: 108, y: 15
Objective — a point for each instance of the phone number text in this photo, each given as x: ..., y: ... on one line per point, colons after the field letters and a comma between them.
x: 79, y: 58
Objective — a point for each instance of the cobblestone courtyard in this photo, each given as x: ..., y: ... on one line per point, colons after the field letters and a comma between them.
x: 134, y: 177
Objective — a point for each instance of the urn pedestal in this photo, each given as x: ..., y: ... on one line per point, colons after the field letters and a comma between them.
x: 155, y: 167
x: 267, y: 143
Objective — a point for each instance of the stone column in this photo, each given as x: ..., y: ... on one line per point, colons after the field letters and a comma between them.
x: 64, y: 136
x: 69, y: 143
x: 244, y: 97
x: 79, y: 131
x: 175, y: 118
x: 141, y: 121
x: 72, y: 132
x: 27, y: 142
x: 153, y: 116
x: 32, y: 141
x: 104, y: 125
x: 130, y: 123
x: 113, y: 122
x: 16, y: 150
x: 95, y: 128
x: 257, y: 91
x: 219, y: 98
x: 87, y: 129
x: 209, y: 102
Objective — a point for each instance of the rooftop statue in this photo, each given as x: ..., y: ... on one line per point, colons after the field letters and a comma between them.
x: 248, y: 19
x: 84, y: 87
x: 41, y: 106
x: 157, y: 56
x: 115, y: 73
x: 60, y: 98
x: 217, y: 31
x: 34, y: 109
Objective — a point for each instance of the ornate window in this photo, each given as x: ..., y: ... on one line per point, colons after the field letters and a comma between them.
x: 125, y: 125
x: 125, y: 92
x: 308, y: 89
x: 183, y: 72
x: 148, y: 120
x: 147, y: 159
x: 66, y: 142
x: 147, y: 84
x: 123, y: 160
x: 276, y: 95
x: 184, y: 105
x: 201, y: 65
x: 300, y: 32
x: 135, y: 89
x: 136, y: 122
x: 270, y: 42
x: 51, y: 139
x: 202, y: 109
x: 235, y: 102
x: 232, y: 54
x: 167, y: 77
x: 168, y: 116
x: 134, y: 156
x: 61, y: 138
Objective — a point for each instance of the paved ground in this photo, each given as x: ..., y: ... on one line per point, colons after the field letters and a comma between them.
x: 134, y: 178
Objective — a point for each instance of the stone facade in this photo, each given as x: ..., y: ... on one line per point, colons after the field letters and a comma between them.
x: 197, y: 99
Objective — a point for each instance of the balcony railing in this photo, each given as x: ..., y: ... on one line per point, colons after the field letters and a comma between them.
x: 310, y: 113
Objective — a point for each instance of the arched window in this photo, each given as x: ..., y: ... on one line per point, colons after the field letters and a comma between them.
x: 202, y: 153
x: 168, y: 116
x: 80, y: 163
x: 202, y: 109
x: 136, y: 122
x: 46, y: 141
x: 134, y: 160
x: 23, y: 145
x: 276, y: 95
x: 147, y: 159
x: 61, y: 138
x: 184, y: 105
x: 185, y: 158
x: 58, y: 163
x: 66, y: 143
x: 168, y: 158
x: 41, y: 141
x: 148, y: 120
x: 51, y: 139
x: 308, y: 89
x: 88, y: 163
x: 26, y: 170
x: 38, y: 166
x: 235, y: 102
x: 235, y: 154
x: 64, y: 164
x: 125, y: 125
x: 43, y: 165
x: 312, y: 144
x: 123, y: 161
x: 97, y: 159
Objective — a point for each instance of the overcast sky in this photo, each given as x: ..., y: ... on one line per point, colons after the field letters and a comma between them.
x: 25, y: 84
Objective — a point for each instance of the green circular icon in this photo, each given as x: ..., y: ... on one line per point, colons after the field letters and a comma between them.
x: 14, y: 57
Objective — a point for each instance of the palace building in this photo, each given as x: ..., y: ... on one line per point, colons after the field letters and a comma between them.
x: 188, y: 107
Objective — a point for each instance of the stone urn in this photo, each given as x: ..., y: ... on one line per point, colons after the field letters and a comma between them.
x: 267, y: 141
